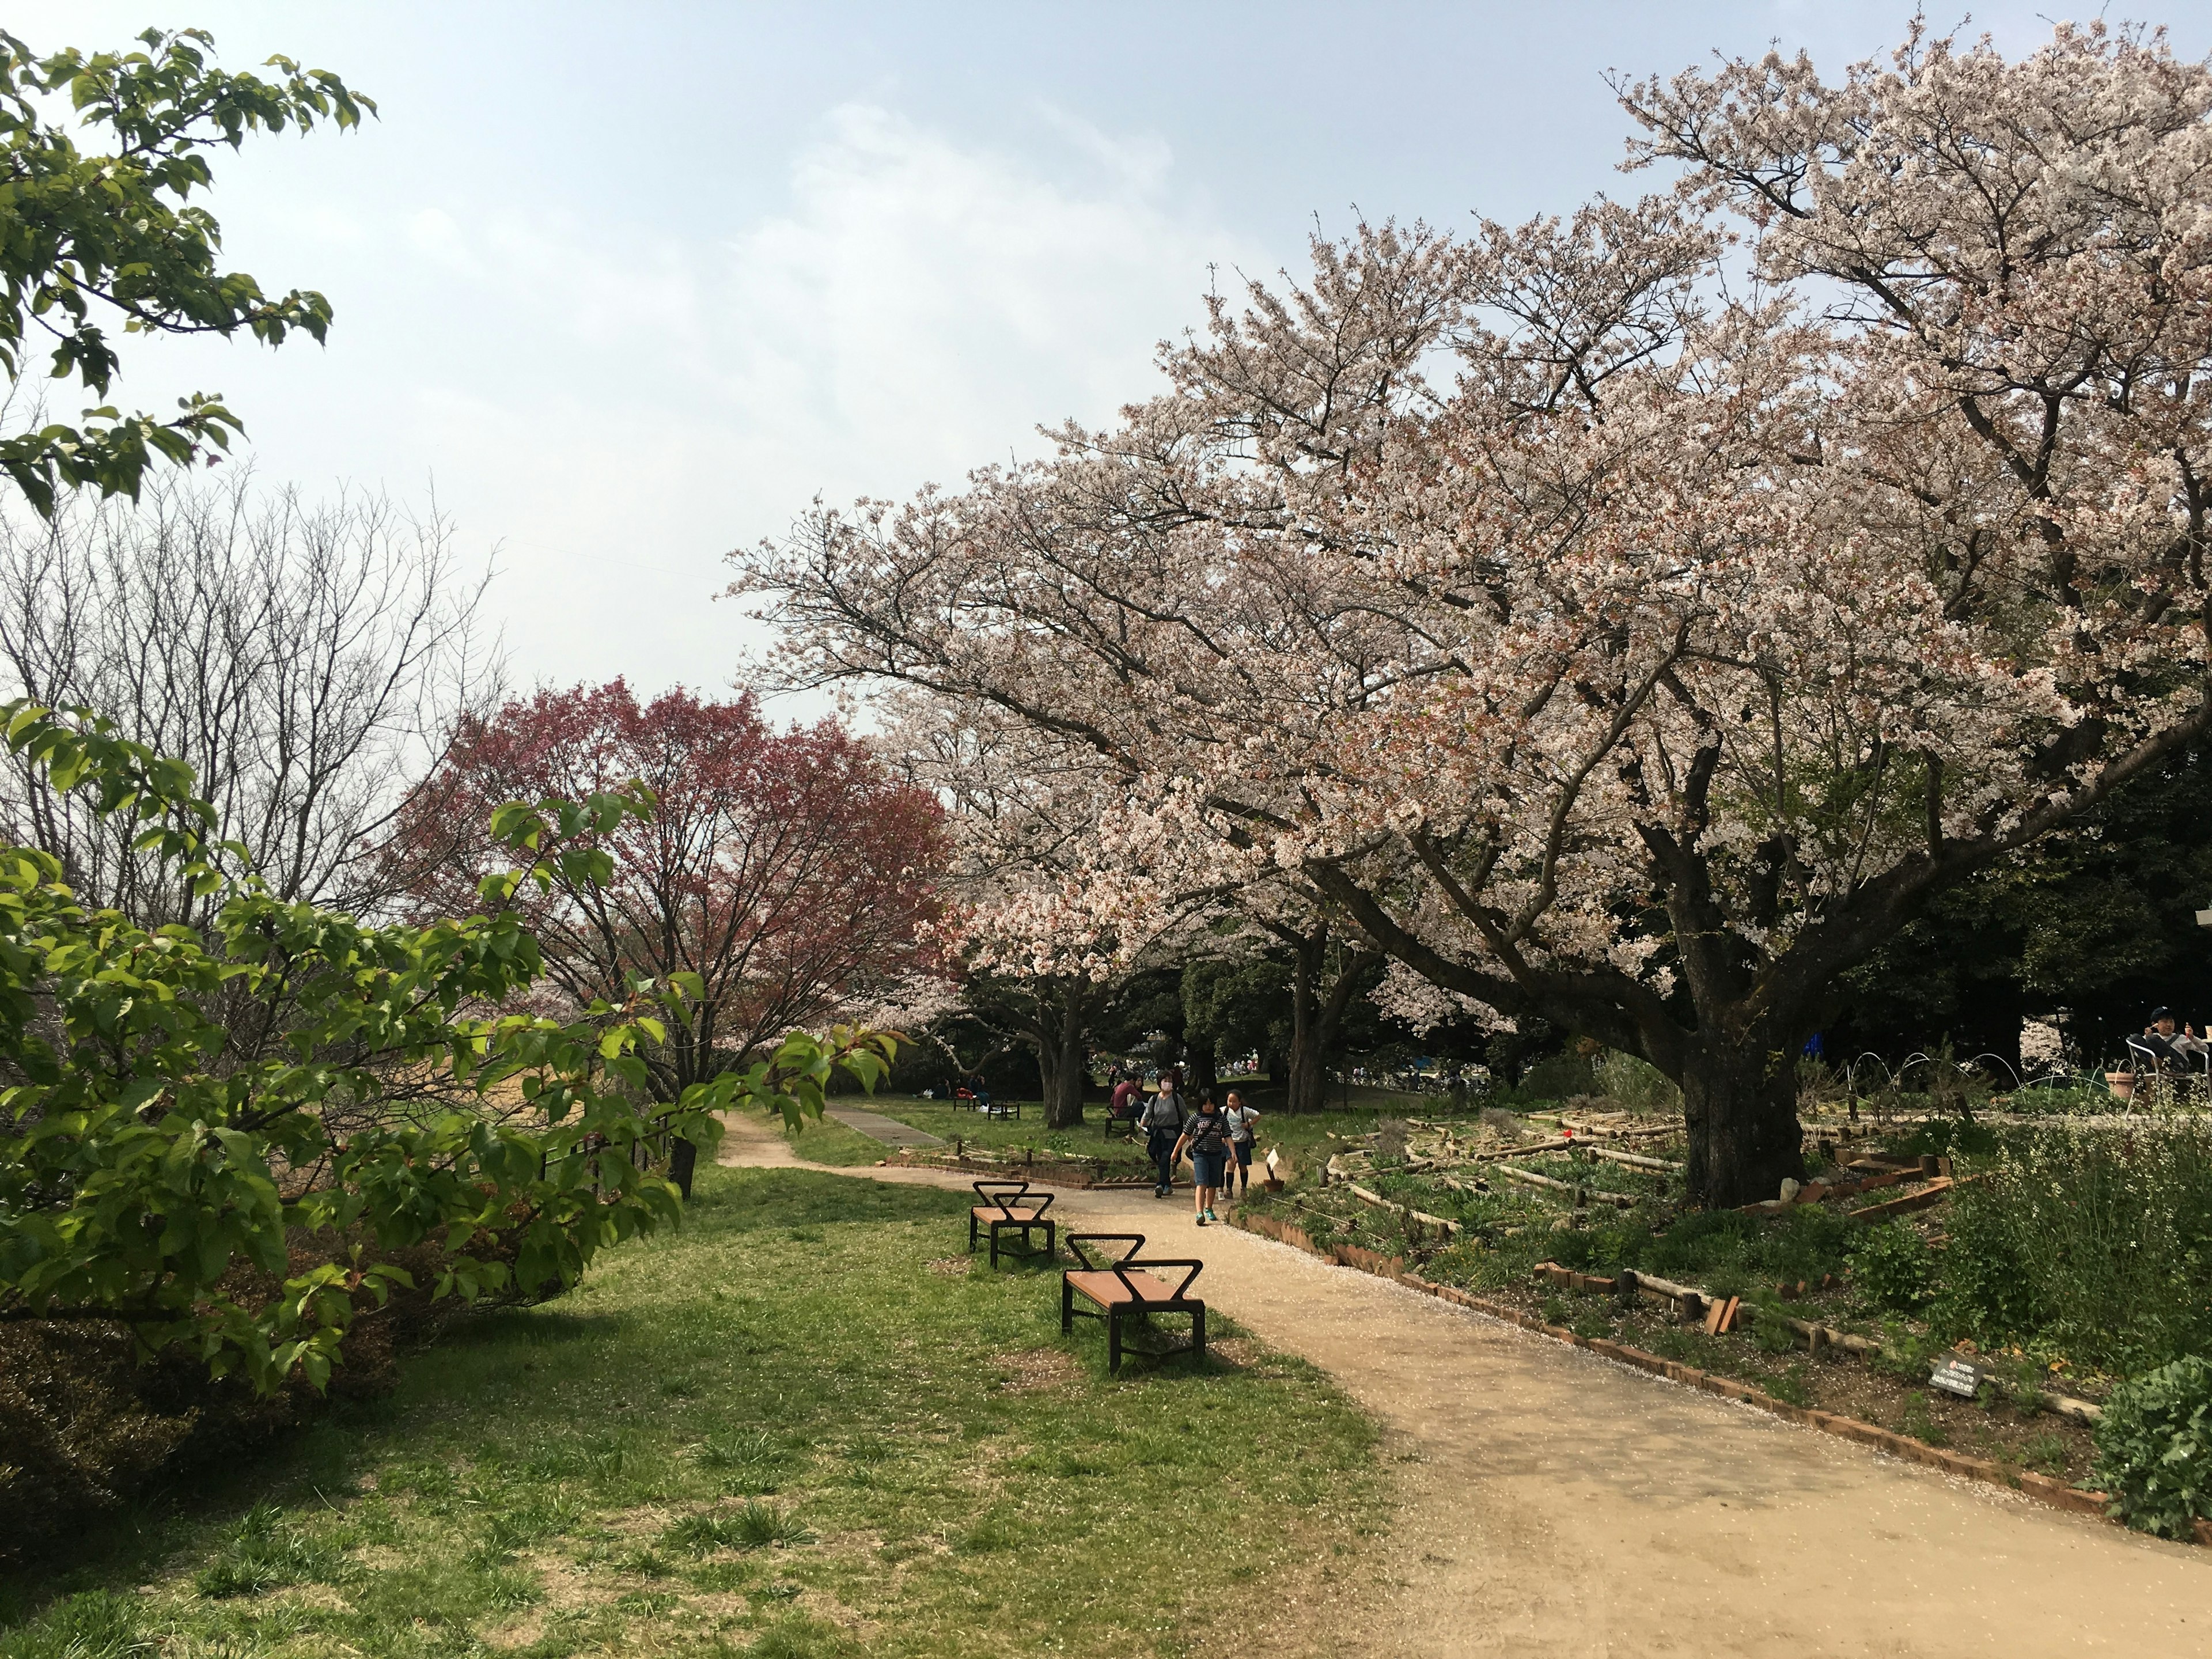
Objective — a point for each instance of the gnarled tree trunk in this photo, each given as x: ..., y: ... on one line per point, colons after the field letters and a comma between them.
x: 1740, y: 1103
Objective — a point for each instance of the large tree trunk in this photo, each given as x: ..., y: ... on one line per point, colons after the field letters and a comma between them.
x: 1205, y: 1066
x: 1741, y: 1101
x: 1316, y: 1012
x: 1064, y: 1058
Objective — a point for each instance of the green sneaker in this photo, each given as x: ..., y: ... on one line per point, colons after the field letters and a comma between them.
x: 1201, y: 1218
x: 1210, y: 1216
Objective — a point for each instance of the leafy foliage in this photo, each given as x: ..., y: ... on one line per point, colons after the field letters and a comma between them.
x: 238, y: 1208
x: 119, y: 231
x: 2154, y: 1448
x: 2096, y: 1239
x: 1894, y: 1267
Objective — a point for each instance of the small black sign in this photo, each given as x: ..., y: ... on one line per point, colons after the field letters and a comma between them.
x: 1956, y: 1376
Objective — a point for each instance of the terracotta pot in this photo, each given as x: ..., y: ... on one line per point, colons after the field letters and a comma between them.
x: 2121, y: 1084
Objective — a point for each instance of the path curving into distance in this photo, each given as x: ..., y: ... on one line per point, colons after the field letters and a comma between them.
x: 1561, y: 1504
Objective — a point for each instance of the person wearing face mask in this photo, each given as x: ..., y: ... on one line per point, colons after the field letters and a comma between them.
x: 1205, y: 1142
x: 1162, y: 1124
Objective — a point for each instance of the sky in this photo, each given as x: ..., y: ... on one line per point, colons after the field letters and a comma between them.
x: 618, y: 288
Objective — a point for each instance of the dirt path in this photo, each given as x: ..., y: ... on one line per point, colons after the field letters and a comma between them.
x: 1561, y: 1504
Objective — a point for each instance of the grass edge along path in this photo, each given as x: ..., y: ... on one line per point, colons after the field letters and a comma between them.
x: 803, y: 1424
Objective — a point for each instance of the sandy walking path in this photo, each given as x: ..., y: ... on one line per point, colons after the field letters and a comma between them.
x: 1562, y: 1504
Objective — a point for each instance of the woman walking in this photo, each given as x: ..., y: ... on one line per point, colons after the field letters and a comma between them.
x: 1206, y: 1141
x: 1162, y: 1123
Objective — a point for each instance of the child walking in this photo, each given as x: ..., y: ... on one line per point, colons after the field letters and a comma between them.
x: 1240, y: 1118
x: 1205, y: 1139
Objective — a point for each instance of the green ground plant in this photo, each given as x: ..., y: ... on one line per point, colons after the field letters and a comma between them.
x: 1893, y: 1268
x: 946, y: 1472
x: 2154, y: 1448
x: 2093, y: 1238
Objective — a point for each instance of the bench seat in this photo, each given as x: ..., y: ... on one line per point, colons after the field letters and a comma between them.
x: 1122, y: 1288
x: 1009, y: 1207
x: 1109, y: 1289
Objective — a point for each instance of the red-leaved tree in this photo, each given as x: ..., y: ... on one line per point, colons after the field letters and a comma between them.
x: 790, y: 872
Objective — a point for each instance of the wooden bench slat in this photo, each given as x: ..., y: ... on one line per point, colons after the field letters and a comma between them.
x: 1110, y: 1289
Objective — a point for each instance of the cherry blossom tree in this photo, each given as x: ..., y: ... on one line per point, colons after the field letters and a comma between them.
x: 1057, y: 903
x: 1634, y: 620
x: 791, y: 875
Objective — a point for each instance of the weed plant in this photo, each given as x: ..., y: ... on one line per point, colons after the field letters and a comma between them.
x: 2096, y: 1239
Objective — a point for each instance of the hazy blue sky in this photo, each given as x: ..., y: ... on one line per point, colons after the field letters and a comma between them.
x: 628, y: 285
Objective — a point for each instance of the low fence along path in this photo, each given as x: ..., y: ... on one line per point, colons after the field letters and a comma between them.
x: 1560, y: 1504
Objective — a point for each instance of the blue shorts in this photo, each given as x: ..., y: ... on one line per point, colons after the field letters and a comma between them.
x: 1243, y: 1151
x: 1205, y: 1168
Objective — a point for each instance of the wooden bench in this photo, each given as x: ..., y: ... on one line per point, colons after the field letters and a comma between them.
x: 1122, y: 1288
x: 1009, y: 1207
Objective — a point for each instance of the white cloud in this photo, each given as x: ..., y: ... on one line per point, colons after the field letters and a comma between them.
x: 922, y: 306
x: 917, y: 309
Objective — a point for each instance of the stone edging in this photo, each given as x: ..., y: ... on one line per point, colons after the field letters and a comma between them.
x: 1043, y: 1173
x: 2041, y: 1487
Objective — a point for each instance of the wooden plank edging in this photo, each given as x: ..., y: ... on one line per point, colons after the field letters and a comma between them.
x: 2041, y: 1487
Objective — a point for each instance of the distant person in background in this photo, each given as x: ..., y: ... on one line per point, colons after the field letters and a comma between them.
x: 1162, y: 1124
x: 1127, y: 1093
x: 1240, y: 1119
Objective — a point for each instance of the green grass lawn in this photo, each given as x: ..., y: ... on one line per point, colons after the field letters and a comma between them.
x: 805, y: 1425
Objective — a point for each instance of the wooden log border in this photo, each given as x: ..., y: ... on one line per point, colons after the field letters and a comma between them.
x: 2041, y: 1487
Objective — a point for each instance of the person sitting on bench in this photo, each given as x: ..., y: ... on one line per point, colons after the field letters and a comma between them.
x: 2168, y: 1049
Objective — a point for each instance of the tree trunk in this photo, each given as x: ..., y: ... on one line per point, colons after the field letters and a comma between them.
x: 682, y: 1160
x: 1307, y: 1080
x: 1740, y: 1103
x: 1315, y: 1016
x: 1205, y: 1075
x: 1064, y: 1059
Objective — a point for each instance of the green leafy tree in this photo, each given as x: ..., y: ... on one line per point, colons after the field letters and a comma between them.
x: 243, y: 1207
x: 91, y: 239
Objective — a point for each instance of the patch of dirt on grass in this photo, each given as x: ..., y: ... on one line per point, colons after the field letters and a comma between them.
x: 1039, y: 1370
x: 952, y: 1267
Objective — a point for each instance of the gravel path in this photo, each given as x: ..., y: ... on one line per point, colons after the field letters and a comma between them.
x: 877, y: 1127
x: 1560, y: 1505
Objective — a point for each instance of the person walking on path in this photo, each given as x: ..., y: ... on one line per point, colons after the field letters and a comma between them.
x: 1206, y: 1141
x: 1162, y: 1124
x: 1240, y: 1118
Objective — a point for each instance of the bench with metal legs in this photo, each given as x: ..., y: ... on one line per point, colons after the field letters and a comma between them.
x: 1121, y: 1288
x: 1009, y: 1207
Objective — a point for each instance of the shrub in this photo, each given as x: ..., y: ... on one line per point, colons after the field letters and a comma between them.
x: 1560, y: 1078
x: 2154, y: 1448
x: 2108, y: 1234
x: 1894, y: 1267
x: 1988, y: 1289
x: 1636, y: 1083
